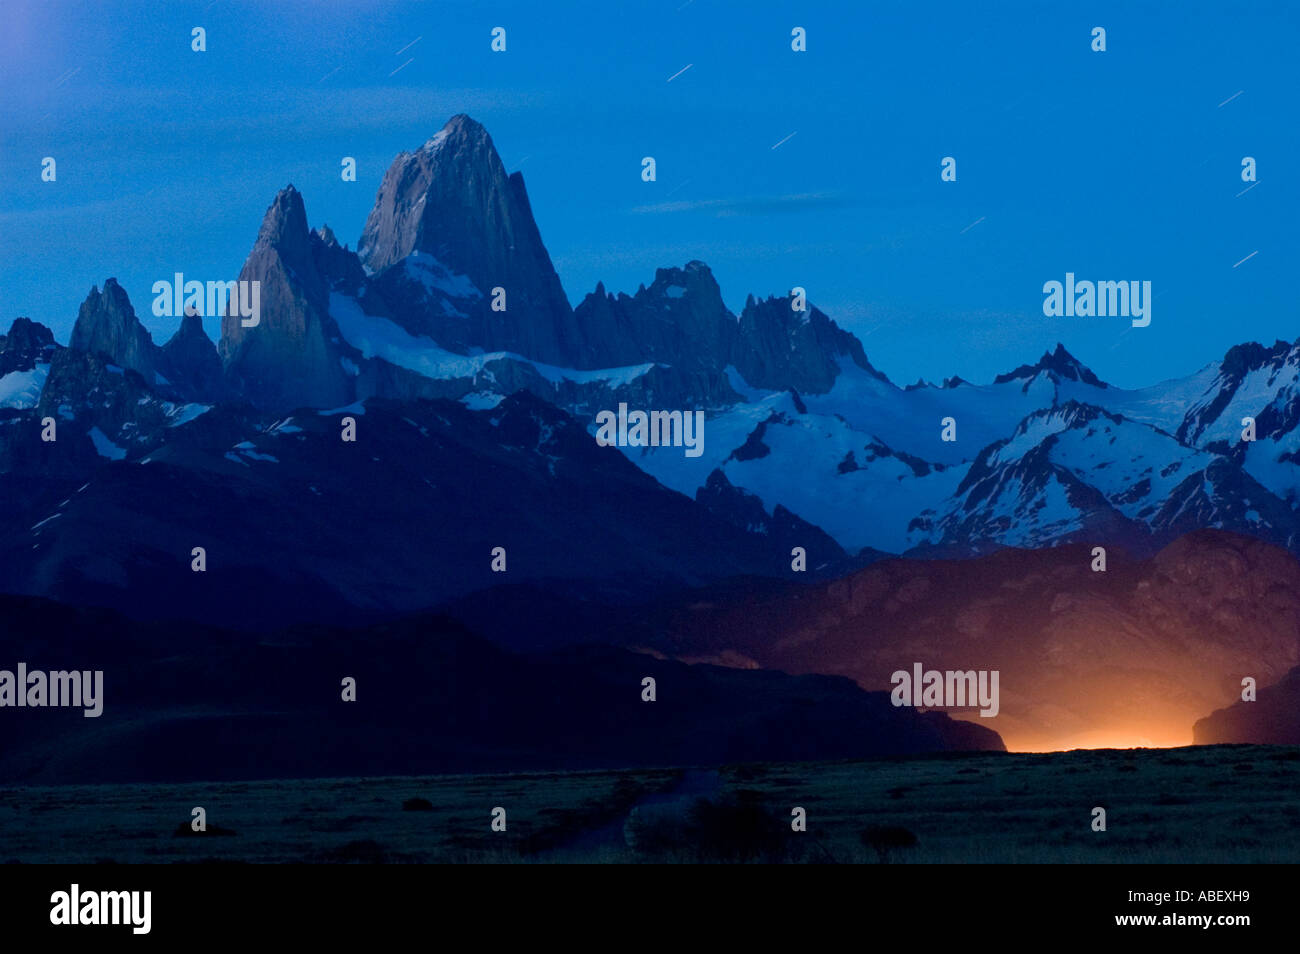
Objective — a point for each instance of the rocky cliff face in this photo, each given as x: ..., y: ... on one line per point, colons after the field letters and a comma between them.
x: 781, y: 349
x: 450, y: 217
x: 292, y: 356
x: 107, y: 325
x: 679, y: 320
x: 186, y: 368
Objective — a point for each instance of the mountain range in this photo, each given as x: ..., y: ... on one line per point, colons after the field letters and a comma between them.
x: 473, y: 386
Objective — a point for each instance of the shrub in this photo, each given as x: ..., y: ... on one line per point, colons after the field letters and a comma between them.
x: 885, y: 840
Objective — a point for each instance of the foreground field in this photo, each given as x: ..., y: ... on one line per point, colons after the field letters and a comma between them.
x: 1220, y: 804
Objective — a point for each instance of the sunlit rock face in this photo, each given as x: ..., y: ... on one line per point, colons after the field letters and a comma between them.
x: 1130, y: 656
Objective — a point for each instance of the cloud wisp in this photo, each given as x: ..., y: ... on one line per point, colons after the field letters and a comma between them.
x: 756, y: 205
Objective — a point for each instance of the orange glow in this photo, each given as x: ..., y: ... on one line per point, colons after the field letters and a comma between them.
x: 1153, y: 734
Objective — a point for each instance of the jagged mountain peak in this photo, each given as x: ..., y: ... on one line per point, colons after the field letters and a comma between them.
x: 285, y: 211
x: 191, y: 361
x: 1245, y: 369
x: 450, y: 193
x: 291, y: 355
x: 1251, y: 355
x: 780, y: 347
x: 191, y: 329
x: 695, y: 279
x: 27, y: 344
x: 26, y: 334
x: 284, y: 226
x: 680, y: 320
x: 452, y: 200
x: 113, y: 292
x: 460, y: 130
x: 1059, y: 363
x: 107, y: 324
x: 783, y: 302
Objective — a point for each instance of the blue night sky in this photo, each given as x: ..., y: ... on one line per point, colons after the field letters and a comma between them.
x: 1115, y: 165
